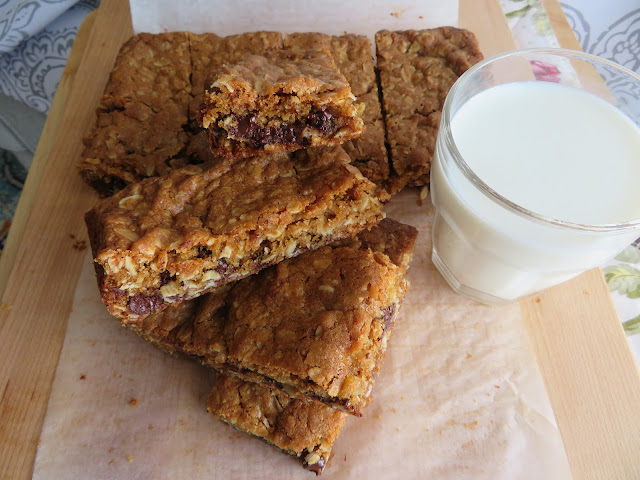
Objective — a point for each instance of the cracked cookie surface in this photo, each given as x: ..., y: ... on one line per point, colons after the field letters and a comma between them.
x: 280, y: 101
x: 304, y: 428
x: 417, y: 69
x: 168, y: 239
x: 316, y: 325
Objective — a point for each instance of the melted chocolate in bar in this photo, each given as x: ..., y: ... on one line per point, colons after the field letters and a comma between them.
x: 141, y: 304
x: 248, y: 128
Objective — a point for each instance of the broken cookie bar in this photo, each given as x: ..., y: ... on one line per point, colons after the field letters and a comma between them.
x: 303, y: 428
x: 316, y: 325
x: 145, y: 122
x: 282, y: 101
x: 300, y: 327
x: 417, y: 69
x: 353, y: 57
x: 210, y: 52
x: 168, y: 239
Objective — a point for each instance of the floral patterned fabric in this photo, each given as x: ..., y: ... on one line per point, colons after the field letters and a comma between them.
x: 35, y: 40
x: 610, y: 30
x: 36, y: 37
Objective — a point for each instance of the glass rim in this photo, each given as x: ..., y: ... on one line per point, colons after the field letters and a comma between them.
x: 486, y: 189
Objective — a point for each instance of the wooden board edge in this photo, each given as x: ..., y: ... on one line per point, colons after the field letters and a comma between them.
x: 47, y: 139
x: 33, y: 320
x: 494, y: 35
x: 594, y: 396
x: 561, y: 28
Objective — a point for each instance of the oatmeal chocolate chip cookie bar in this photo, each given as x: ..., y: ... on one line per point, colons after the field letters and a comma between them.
x: 168, y: 239
x: 209, y: 52
x: 281, y: 101
x: 417, y: 69
x: 140, y: 121
x: 352, y: 54
x: 316, y: 325
x: 145, y: 122
x: 304, y: 428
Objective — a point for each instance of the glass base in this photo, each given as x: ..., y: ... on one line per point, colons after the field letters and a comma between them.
x: 462, y: 289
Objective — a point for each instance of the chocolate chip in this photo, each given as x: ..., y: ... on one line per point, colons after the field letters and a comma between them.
x: 141, y: 304
x: 166, y: 277
x: 248, y: 128
x: 107, y: 186
x: 203, y: 252
x: 388, y: 315
x: 223, y: 268
x: 314, y: 467
x: 321, y: 119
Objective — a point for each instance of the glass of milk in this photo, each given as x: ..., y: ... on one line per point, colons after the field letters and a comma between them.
x: 536, y: 172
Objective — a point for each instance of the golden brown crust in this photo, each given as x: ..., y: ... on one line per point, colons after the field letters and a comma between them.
x: 279, y: 101
x: 140, y: 126
x: 171, y: 238
x: 318, y: 324
x: 145, y: 122
x: 314, y: 325
x: 209, y: 52
x: 417, y: 69
x: 303, y: 428
x: 352, y: 54
x: 396, y: 240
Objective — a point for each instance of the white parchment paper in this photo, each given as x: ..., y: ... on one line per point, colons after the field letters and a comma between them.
x: 459, y: 395
x: 335, y: 17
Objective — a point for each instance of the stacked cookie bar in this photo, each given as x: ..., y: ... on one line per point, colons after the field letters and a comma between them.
x: 278, y: 102
x: 245, y: 179
x: 147, y: 118
x: 311, y: 330
x: 168, y: 239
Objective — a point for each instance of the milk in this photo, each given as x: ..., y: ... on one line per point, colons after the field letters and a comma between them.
x: 554, y: 150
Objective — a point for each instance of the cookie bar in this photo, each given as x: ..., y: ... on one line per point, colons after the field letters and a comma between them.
x: 352, y: 54
x: 279, y: 102
x: 209, y: 52
x: 303, y: 428
x: 140, y: 121
x: 145, y: 122
x: 168, y: 239
x: 316, y: 325
x: 417, y: 69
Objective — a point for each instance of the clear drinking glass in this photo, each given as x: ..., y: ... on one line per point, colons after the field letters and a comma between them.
x: 493, y: 246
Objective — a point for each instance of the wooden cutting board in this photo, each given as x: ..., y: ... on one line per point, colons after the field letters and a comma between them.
x: 590, y: 374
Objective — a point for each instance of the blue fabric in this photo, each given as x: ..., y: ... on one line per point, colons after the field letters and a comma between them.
x: 13, y: 176
x: 36, y: 37
x: 23, y: 19
x: 35, y: 41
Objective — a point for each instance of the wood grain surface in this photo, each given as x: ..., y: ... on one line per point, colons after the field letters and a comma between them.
x: 589, y: 372
x: 21, y: 215
x: 587, y: 364
x: 590, y: 375
x: 39, y: 291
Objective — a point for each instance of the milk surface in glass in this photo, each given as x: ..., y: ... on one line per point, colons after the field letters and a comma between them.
x: 554, y: 150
